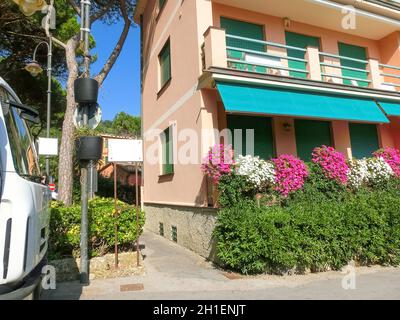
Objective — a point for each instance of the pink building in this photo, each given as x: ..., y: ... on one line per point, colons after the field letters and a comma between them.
x: 290, y: 74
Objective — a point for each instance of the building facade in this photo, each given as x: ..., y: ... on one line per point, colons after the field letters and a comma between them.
x: 289, y: 75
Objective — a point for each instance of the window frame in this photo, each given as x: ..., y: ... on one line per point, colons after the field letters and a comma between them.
x: 163, y: 83
x: 167, y: 152
x: 20, y: 162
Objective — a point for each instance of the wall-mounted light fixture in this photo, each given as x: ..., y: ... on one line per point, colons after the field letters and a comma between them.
x: 287, y: 22
x: 287, y: 126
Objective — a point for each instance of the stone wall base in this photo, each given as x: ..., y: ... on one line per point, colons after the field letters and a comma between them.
x: 194, y: 226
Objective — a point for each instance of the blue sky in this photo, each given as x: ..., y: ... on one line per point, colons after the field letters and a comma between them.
x: 121, y: 89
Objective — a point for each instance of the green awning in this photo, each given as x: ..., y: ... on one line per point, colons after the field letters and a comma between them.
x: 250, y: 99
x: 390, y: 108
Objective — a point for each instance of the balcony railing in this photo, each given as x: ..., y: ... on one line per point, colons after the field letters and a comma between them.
x: 264, y: 57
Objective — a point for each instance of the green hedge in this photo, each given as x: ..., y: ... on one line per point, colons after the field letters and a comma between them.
x: 322, y: 227
x: 65, y: 228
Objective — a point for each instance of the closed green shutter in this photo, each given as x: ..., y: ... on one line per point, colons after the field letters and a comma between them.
x: 364, y: 139
x: 245, y: 30
x: 167, y: 151
x: 311, y: 134
x: 354, y: 52
x: 263, y: 137
x: 299, y: 41
x: 165, y: 64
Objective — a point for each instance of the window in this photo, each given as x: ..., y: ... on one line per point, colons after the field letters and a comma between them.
x: 21, y: 143
x: 165, y: 64
x: 244, y: 30
x: 263, y: 137
x: 353, y: 52
x: 311, y: 134
x: 167, y: 152
x: 364, y: 139
x: 299, y: 41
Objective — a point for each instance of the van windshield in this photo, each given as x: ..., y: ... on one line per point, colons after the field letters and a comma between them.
x: 20, y: 140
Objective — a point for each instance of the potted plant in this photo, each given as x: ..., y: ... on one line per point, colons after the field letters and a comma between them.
x: 89, y: 145
x: 86, y: 90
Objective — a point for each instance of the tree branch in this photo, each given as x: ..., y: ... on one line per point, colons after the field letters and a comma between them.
x: 75, y: 7
x: 58, y: 42
x: 118, y: 47
x: 25, y: 35
x: 99, y: 14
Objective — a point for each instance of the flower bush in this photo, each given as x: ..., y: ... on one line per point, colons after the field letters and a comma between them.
x: 379, y: 171
x: 219, y: 161
x: 392, y: 157
x: 290, y: 174
x: 286, y: 174
x: 332, y: 162
x: 371, y: 171
x: 258, y: 172
x: 358, y: 174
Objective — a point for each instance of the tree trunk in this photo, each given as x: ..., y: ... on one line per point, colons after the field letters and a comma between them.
x: 65, y: 173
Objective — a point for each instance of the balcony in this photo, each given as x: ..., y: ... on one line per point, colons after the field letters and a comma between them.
x: 271, y: 60
x: 374, y: 19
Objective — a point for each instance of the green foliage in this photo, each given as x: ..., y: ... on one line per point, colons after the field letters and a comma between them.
x: 322, y: 227
x: 318, y: 188
x: 233, y: 189
x: 86, y: 132
x: 65, y: 227
x: 125, y: 124
x: 125, y: 193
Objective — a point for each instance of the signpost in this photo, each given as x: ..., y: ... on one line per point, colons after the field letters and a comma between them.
x: 126, y: 151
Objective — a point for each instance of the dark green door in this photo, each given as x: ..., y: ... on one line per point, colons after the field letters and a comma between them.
x: 311, y: 134
x: 364, y: 139
x: 354, y: 52
x: 263, y: 138
x: 299, y: 41
x: 245, y: 30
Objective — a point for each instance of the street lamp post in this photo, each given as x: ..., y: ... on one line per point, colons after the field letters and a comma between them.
x: 34, y: 69
x: 29, y: 7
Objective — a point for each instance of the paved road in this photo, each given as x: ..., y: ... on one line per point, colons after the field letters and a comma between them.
x: 173, y: 272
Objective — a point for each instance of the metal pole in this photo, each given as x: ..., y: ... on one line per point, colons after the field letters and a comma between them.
x: 115, y: 216
x: 137, y: 216
x: 84, y: 170
x: 48, y: 124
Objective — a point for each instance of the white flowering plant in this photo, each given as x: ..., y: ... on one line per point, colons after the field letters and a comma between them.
x: 371, y: 171
x: 358, y: 174
x: 379, y: 171
x: 258, y: 172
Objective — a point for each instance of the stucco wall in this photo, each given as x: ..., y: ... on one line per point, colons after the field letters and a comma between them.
x: 194, y: 226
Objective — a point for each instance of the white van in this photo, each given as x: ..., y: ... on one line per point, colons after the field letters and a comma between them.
x: 24, y: 200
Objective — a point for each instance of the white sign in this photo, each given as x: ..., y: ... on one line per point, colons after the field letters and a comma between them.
x: 48, y: 147
x: 125, y: 150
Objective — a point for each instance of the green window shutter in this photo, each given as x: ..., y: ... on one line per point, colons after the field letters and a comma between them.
x: 364, y: 139
x: 263, y: 136
x: 167, y: 151
x: 311, y: 134
x: 299, y: 41
x: 165, y: 64
x: 355, y: 52
x: 245, y: 30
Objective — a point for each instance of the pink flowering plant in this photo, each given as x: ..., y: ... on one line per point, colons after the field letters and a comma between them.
x: 219, y: 161
x: 290, y: 174
x: 392, y: 158
x: 332, y: 163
